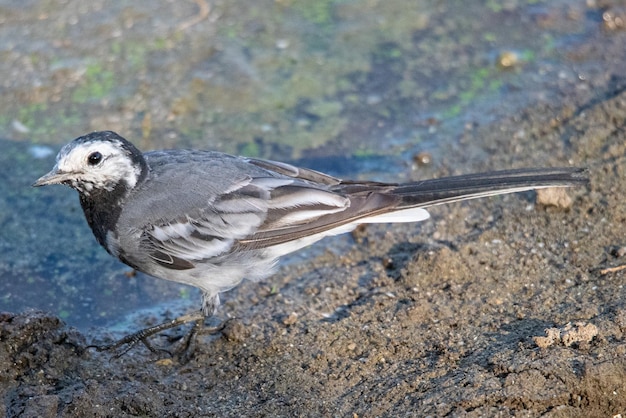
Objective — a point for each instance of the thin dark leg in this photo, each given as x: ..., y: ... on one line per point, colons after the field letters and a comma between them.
x: 210, y: 302
x: 142, y: 335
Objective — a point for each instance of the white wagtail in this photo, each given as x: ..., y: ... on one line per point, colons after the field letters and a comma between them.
x: 210, y: 220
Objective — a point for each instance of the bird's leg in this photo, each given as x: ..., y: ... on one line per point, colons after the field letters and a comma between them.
x: 210, y: 302
x: 142, y: 335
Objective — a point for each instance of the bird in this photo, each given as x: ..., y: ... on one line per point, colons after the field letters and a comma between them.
x: 210, y: 220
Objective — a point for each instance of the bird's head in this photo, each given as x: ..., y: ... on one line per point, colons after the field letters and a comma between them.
x: 99, y: 161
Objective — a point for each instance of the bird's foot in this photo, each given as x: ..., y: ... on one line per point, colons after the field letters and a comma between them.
x: 182, y: 349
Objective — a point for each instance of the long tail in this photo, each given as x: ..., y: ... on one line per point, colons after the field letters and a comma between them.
x: 381, y: 202
x: 471, y: 186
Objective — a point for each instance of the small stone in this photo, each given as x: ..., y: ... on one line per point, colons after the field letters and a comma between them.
x: 234, y: 330
x: 291, y: 319
x: 507, y: 60
x: 423, y: 158
x: 554, y: 196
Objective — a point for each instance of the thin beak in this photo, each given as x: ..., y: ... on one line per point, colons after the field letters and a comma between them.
x: 53, y: 177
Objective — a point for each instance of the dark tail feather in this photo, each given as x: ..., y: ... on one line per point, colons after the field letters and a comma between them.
x: 470, y: 186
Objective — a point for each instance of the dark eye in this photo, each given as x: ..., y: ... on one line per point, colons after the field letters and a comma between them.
x: 94, y: 158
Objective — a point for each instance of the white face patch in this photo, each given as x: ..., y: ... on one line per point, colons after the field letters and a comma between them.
x: 114, y: 166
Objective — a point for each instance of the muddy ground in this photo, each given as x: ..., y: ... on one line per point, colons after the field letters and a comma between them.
x: 502, y: 306
x: 498, y: 306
